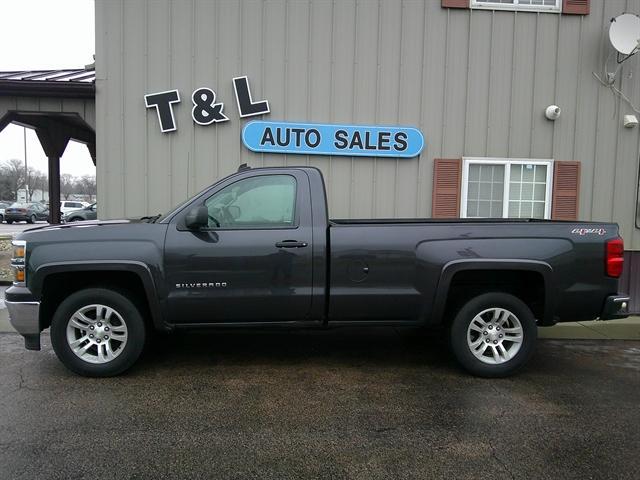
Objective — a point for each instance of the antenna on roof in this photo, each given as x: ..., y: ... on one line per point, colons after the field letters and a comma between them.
x: 243, y: 166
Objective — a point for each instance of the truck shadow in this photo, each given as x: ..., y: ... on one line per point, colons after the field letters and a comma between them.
x: 359, y: 347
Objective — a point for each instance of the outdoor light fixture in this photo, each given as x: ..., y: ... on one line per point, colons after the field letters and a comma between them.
x: 552, y: 112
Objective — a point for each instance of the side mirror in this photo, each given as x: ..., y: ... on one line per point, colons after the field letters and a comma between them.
x: 197, y: 217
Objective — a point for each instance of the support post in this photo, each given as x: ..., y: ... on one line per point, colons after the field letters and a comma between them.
x: 54, y: 190
x: 54, y: 141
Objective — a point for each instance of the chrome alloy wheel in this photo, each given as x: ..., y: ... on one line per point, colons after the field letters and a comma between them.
x: 96, y: 333
x: 495, y: 336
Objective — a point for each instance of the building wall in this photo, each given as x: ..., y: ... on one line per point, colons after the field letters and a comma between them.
x: 475, y: 82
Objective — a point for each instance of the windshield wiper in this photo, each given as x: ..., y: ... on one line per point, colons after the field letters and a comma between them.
x: 151, y: 219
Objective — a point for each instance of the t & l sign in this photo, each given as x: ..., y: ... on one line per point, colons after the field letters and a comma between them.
x: 205, y: 110
x: 287, y: 137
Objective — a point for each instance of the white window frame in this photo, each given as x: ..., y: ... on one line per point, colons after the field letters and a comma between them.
x: 489, y: 5
x: 507, y: 162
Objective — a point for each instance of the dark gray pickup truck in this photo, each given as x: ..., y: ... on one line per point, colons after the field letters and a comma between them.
x: 257, y: 249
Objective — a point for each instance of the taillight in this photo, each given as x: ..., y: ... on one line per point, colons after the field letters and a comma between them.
x: 615, y: 257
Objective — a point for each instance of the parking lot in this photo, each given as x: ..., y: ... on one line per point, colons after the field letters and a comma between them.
x: 331, y: 404
x: 10, y: 230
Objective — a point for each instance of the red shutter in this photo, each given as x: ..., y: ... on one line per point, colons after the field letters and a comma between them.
x: 575, y: 7
x: 566, y: 190
x: 445, y: 200
x: 455, y: 3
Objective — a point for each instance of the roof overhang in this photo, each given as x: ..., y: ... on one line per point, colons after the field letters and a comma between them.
x: 34, y: 88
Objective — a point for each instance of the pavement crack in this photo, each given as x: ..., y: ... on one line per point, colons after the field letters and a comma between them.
x: 494, y: 454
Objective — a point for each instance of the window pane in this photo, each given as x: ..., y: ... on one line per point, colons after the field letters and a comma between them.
x: 538, y: 210
x: 526, y: 209
x: 486, y: 173
x: 474, y: 172
x: 514, y: 191
x: 472, y: 208
x: 473, y: 190
x: 539, y: 191
x: 527, y: 173
x: 484, y: 209
x: 264, y: 201
x: 527, y: 191
x: 485, y: 190
x: 516, y: 171
x: 541, y: 173
x: 514, y: 210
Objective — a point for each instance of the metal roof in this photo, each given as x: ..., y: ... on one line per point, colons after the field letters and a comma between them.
x: 65, y: 75
x: 67, y: 83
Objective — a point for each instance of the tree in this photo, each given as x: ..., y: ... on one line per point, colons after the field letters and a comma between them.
x: 67, y: 185
x: 36, y: 180
x: 87, y: 186
x: 12, y: 172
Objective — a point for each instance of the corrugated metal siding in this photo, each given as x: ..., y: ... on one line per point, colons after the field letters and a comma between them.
x: 630, y: 280
x: 475, y: 82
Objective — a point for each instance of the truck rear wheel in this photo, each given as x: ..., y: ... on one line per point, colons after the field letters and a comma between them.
x: 97, y: 332
x: 493, y: 335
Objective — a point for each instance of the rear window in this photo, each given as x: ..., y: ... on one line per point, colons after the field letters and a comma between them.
x: 19, y: 205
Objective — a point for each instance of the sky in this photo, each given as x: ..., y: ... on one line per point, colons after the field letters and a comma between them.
x: 60, y: 35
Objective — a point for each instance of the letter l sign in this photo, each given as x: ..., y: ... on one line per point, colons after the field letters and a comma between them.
x: 246, y: 106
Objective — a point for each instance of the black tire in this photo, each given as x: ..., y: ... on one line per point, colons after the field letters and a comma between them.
x: 131, y: 316
x: 73, y: 219
x: 460, y: 327
x: 1, y: 218
x: 32, y: 219
x: 9, y: 222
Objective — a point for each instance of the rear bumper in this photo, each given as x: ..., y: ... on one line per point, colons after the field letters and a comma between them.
x: 615, y: 306
x: 16, y: 217
x: 25, y: 318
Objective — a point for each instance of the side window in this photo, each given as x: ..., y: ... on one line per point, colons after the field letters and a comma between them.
x: 266, y: 201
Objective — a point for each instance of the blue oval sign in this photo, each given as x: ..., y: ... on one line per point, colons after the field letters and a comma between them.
x: 322, y: 139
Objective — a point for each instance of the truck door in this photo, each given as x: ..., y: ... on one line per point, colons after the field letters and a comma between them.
x: 253, y: 263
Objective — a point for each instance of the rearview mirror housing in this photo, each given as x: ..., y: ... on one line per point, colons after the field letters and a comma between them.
x: 197, y: 217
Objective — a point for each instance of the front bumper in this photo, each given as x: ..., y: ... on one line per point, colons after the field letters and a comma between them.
x: 615, y: 306
x: 25, y: 318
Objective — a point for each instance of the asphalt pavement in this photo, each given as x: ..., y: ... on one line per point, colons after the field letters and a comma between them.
x: 351, y: 404
x: 11, y: 229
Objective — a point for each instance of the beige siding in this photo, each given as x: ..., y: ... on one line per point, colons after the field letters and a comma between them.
x: 475, y: 82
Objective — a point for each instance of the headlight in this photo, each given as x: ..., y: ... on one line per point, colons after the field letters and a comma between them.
x: 18, y: 262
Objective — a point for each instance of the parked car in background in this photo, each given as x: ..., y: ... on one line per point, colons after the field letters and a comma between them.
x: 86, y: 213
x: 26, y: 212
x: 3, y: 206
x: 70, y: 205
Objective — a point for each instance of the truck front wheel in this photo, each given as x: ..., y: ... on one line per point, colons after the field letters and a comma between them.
x: 97, y: 332
x: 493, y: 335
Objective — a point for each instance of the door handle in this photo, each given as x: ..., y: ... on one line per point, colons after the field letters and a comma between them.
x: 291, y: 244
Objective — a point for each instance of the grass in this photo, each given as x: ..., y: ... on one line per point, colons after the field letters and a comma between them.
x: 5, y: 258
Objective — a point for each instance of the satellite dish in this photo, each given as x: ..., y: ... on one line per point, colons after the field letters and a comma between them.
x: 624, y: 33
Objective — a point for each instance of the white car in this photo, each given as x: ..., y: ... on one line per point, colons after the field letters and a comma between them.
x: 70, y: 205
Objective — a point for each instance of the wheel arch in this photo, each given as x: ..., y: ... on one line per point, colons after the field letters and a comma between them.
x: 452, y: 269
x: 47, y: 274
